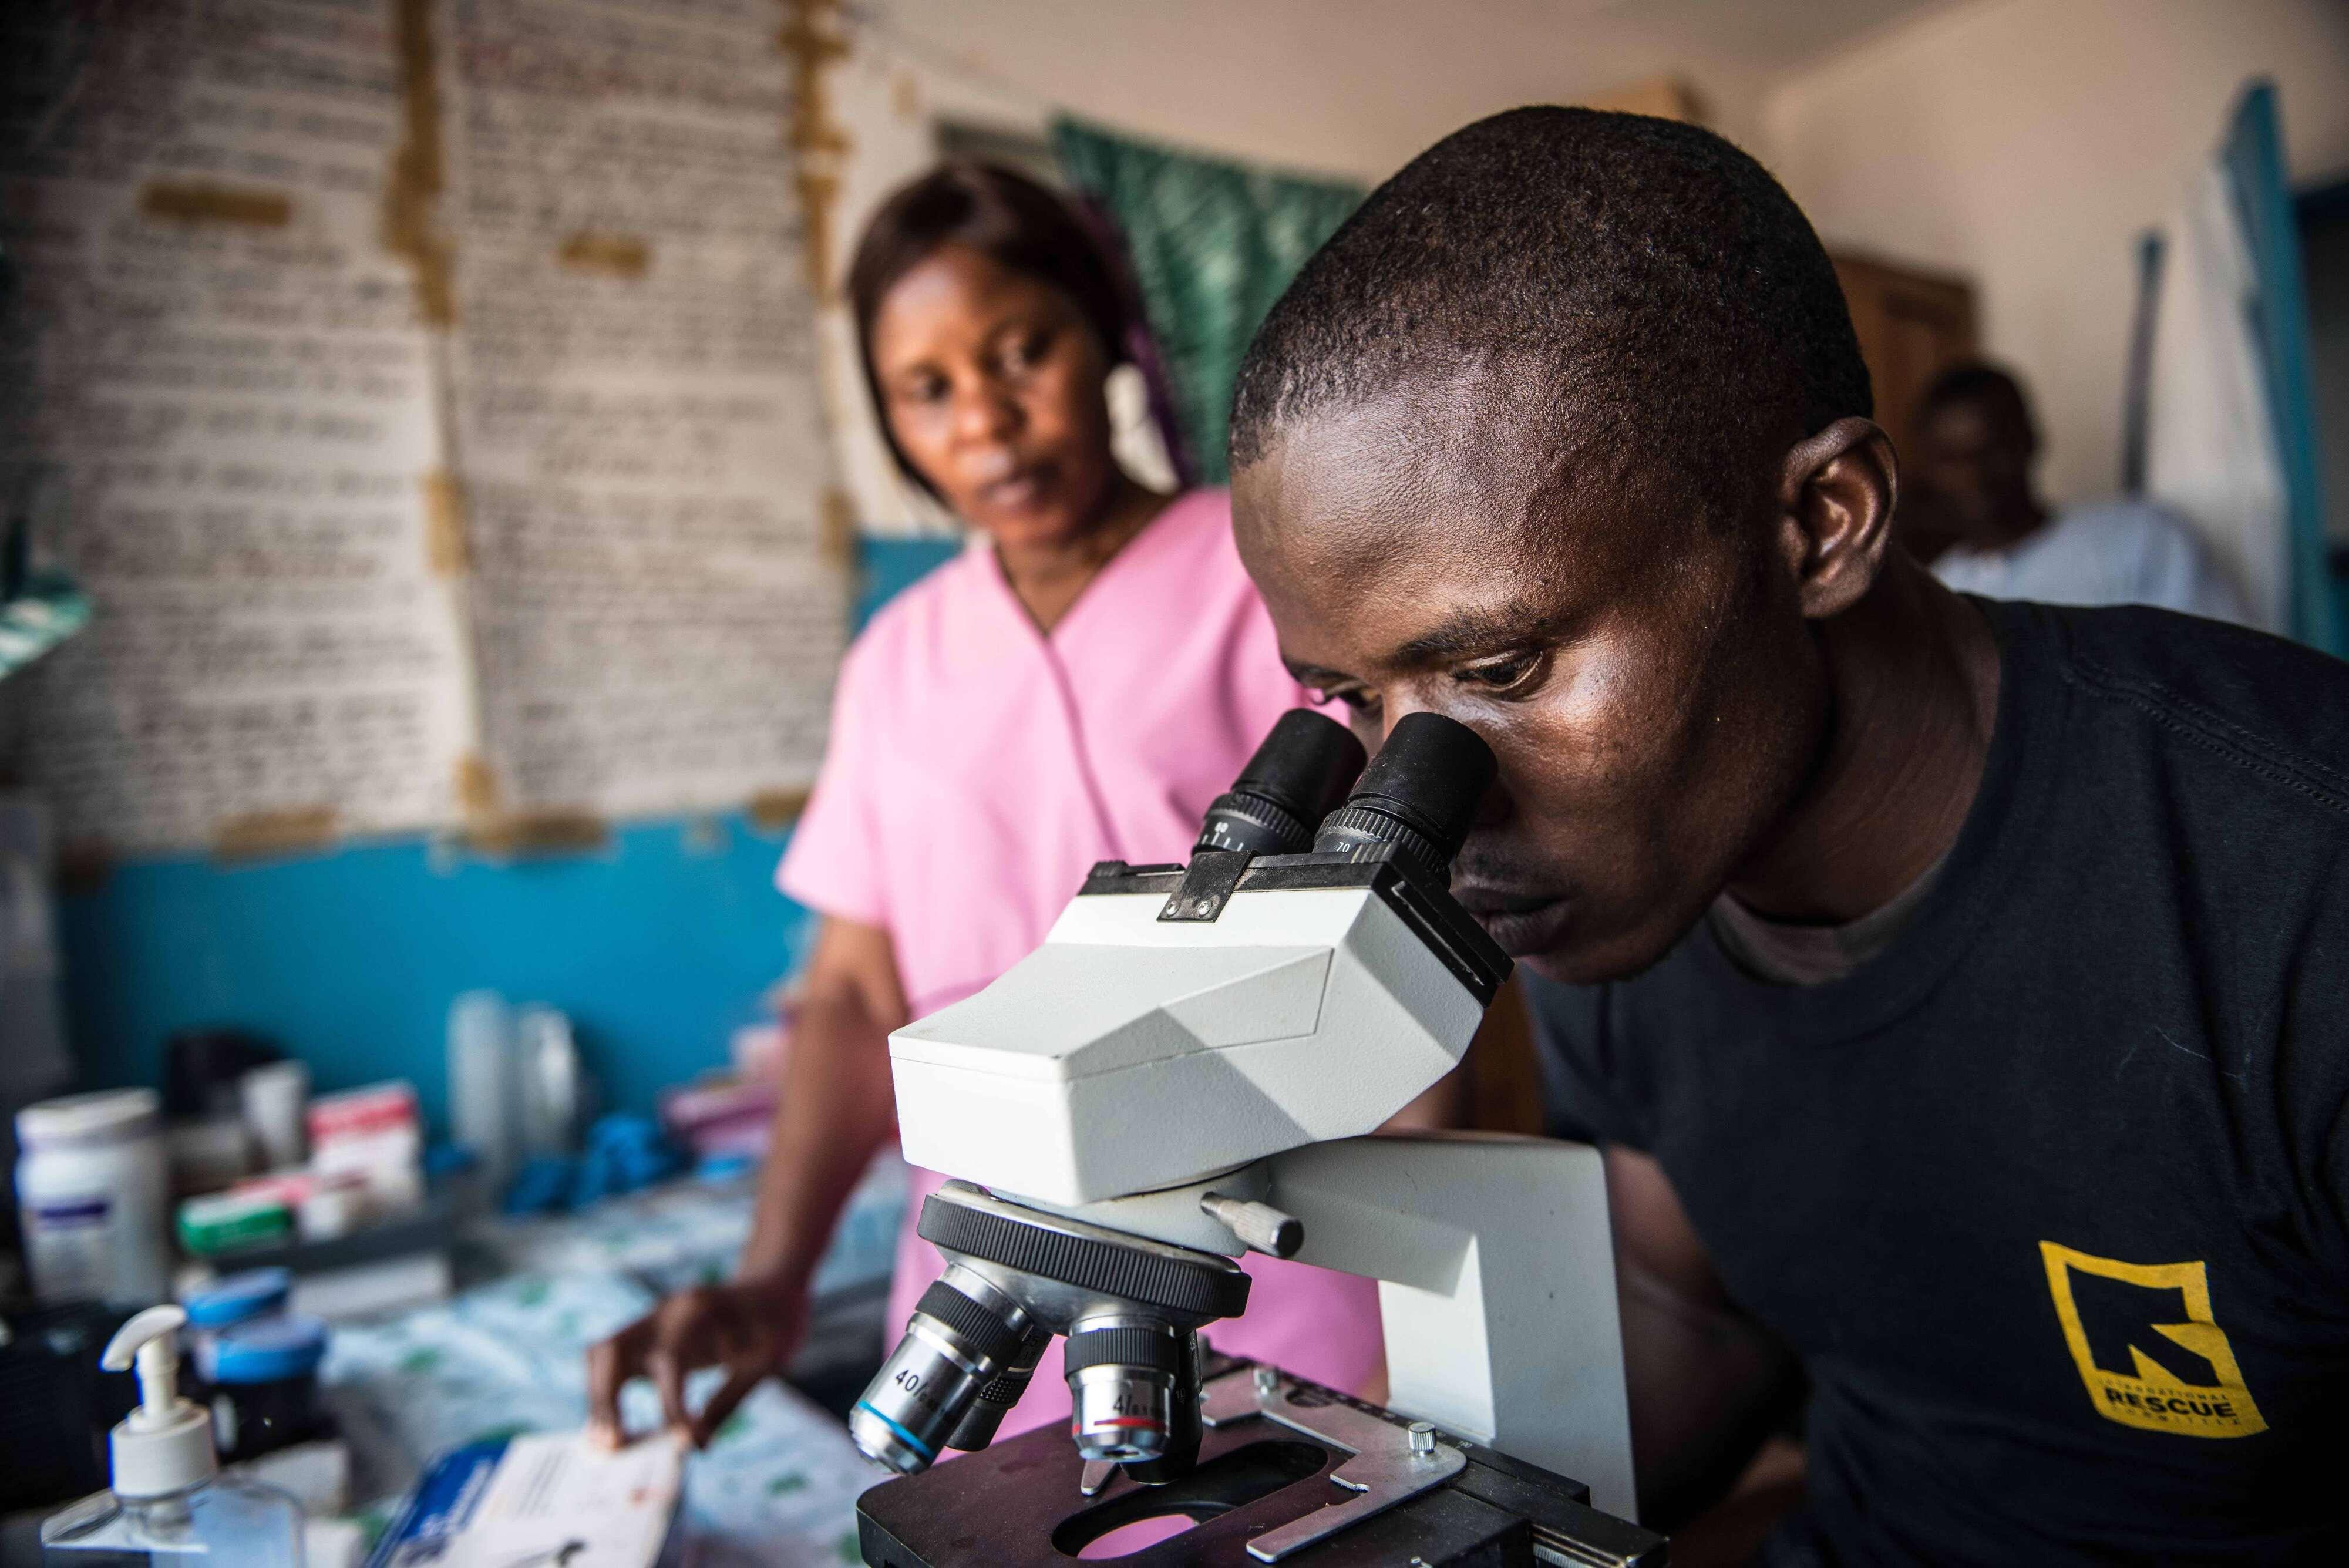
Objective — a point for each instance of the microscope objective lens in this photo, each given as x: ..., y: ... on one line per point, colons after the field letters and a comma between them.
x: 1122, y: 1377
x: 962, y: 1335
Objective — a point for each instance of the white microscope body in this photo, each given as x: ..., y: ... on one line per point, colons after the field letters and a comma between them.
x: 1196, y: 1059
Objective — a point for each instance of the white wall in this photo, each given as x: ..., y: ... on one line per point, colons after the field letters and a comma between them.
x: 1352, y: 88
x: 2022, y: 143
x: 2026, y: 144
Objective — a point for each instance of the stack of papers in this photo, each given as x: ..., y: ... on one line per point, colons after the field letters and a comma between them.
x: 542, y: 1500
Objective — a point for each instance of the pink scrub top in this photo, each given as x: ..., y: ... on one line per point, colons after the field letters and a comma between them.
x: 979, y: 767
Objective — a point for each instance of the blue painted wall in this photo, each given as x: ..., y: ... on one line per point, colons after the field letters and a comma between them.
x: 659, y: 946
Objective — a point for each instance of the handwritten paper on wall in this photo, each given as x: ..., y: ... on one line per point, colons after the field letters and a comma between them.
x: 636, y: 409
x: 432, y: 388
x: 213, y: 355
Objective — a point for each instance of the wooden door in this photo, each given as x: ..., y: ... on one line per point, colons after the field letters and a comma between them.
x: 1503, y: 1080
x: 1912, y: 326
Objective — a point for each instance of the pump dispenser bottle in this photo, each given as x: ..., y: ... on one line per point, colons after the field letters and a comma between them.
x: 170, y: 1504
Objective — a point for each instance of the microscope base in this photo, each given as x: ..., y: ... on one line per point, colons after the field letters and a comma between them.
x: 1264, y: 1479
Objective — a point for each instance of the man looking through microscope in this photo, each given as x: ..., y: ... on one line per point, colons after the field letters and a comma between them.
x: 1955, y: 987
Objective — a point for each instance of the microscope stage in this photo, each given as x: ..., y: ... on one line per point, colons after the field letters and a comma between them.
x: 1017, y: 1503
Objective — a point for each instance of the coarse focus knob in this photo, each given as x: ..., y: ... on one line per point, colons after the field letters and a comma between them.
x: 1419, y: 794
x: 1260, y: 1226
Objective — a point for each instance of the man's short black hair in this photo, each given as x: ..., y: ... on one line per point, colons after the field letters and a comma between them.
x: 1977, y: 382
x: 1657, y: 277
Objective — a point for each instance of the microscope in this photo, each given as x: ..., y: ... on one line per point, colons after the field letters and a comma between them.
x: 1192, y: 1067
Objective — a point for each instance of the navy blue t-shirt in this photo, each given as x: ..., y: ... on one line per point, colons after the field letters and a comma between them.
x: 2052, y: 1195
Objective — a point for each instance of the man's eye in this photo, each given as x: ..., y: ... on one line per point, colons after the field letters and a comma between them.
x: 1356, y: 699
x: 1514, y: 673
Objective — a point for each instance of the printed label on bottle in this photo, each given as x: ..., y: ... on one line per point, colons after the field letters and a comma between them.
x: 69, y: 1246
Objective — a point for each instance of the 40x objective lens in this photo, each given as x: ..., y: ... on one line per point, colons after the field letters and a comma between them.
x: 962, y: 1334
x: 1000, y: 1393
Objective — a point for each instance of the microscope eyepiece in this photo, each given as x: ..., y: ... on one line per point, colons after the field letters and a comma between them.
x: 1419, y: 794
x: 1298, y: 774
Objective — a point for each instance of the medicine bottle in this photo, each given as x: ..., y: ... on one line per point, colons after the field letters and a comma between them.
x: 214, y: 1309
x: 92, y: 1195
x: 264, y: 1381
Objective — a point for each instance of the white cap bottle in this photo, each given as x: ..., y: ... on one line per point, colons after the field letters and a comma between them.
x: 169, y: 1499
x: 93, y: 1198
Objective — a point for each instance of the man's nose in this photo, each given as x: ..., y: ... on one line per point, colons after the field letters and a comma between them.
x: 1493, y: 809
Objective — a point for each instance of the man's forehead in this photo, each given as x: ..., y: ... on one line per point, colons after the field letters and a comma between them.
x: 1365, y: 486
x: 1475, y: 426
x: 1443, y: 501
x: 1387, y: 598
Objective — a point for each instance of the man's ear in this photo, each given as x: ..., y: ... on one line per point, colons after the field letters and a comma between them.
x: 1836, y: 495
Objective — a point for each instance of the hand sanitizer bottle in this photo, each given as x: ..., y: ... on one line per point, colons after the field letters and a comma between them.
x: 169, y: 1506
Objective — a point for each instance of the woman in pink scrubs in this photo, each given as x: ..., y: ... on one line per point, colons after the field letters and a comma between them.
x: 1076, y: 686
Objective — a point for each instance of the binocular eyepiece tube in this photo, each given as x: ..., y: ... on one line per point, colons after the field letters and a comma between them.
x: 1308, y: 788
x: 1298, y: 774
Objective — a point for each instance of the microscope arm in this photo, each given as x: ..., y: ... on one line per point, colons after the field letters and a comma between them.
x: 1496, y: 1281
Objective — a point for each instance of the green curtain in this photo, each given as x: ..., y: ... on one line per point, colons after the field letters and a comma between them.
x: 1212, y: 245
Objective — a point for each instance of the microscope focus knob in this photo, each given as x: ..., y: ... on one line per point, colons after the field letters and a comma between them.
x: 1260, y: 1226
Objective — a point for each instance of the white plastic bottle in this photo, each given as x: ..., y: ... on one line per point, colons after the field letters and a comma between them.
x: 550, y: 1081
x: 485, y: 1084
x: 92, y: 1195
x: 170, y: 1504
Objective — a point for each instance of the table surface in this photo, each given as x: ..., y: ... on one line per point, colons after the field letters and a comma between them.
x: 777, y: 1486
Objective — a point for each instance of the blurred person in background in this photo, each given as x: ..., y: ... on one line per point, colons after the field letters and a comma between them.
x: 1969, y: 511
x: 1077, y: 686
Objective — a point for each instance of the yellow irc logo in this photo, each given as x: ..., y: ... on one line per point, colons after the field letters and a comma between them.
x: 2146, y: 1346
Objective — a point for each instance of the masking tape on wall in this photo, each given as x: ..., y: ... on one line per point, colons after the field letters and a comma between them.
x: 476, y: 786
x: 172, y: 202
x: 772, y: 810
x: 836, y: 523
x: 552, y: 830
x: 448, y: 549
x: 267, y: 834
x: 625, y: 256
x: 412, y: 195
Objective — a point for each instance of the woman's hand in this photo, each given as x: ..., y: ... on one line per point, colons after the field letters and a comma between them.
x: 833, y: 1111
x: 749, y: 1327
